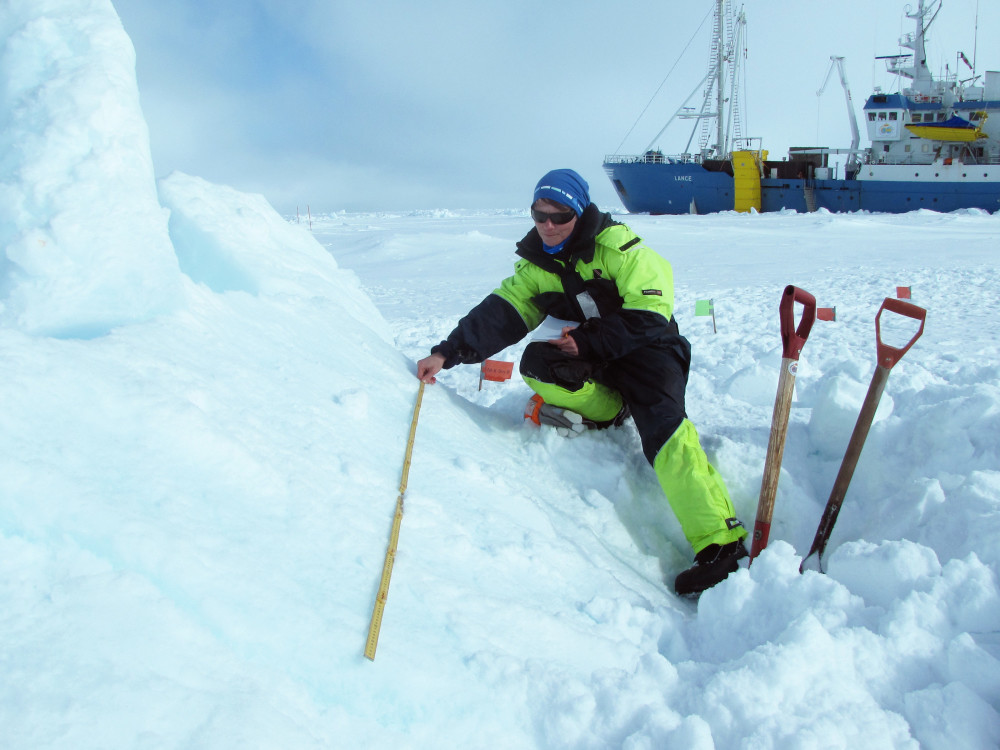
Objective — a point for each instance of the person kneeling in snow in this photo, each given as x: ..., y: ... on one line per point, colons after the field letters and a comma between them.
x: 624, y: 358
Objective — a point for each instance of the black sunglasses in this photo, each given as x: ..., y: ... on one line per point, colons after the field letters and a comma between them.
x: 561, y: 218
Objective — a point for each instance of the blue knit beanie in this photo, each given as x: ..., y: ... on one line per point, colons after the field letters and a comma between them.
x: 564, y: 186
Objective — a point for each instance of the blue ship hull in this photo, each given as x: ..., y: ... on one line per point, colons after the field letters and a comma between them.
x: 681, y: 188
x: 900, y: 197
x: 678, y: 188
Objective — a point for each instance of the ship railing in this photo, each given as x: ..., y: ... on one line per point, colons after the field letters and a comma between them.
x: 651, y: 157
x: 969, y: 159
x: 749, y: 144
x: 922, y: 98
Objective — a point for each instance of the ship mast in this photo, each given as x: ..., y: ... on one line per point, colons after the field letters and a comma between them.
x: 725, y: 67
x: 720, y: 81
x: 727, y: 36
x: 919, y: 73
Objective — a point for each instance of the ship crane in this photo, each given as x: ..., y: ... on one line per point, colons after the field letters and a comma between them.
x: 838, y: 63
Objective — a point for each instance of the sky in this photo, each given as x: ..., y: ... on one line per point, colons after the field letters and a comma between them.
x: 447, y: 104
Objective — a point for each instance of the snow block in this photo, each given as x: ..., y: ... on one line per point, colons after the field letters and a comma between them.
x: 84, y: 238
x: 232, y: 241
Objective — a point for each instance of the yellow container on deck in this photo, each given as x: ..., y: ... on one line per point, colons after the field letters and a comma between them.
x: 746, y: 180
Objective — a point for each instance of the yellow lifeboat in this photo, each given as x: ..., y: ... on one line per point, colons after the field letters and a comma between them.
x: 954, y: 129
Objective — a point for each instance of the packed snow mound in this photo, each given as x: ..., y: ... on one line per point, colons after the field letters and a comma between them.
x: 84, y: 236
x: 835, y: 414
x: 232, y: 241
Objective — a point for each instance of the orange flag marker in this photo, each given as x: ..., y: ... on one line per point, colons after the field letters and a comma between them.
x: 495, y: 370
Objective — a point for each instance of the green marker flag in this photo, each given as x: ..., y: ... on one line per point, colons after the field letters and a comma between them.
x: 706, y: 307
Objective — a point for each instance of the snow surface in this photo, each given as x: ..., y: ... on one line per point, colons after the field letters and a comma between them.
x: 206, y: 409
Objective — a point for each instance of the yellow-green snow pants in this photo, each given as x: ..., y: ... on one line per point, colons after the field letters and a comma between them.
x: 652, y: 381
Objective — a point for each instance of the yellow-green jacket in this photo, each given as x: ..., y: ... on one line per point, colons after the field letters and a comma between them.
x: 605, y: 278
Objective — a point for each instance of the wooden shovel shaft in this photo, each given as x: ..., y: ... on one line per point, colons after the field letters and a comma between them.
x: 775, y: 450
x: 792, y: 340
x: 888, y: 356
x: 849, y: 464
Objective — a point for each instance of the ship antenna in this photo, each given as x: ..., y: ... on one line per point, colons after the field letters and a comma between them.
x: 975, y: 40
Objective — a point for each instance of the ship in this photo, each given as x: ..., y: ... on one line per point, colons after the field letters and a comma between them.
x: 935, y: 143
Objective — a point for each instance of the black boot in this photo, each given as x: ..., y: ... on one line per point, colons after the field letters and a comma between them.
x: 711, y: 565
x: 618, y: 420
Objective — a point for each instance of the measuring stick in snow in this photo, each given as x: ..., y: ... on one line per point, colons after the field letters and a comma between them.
x: 792, y: 340
x: 887, y: 357
x: 390, y: 553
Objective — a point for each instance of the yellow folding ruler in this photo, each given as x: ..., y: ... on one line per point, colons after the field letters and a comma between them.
x: 390, y: 553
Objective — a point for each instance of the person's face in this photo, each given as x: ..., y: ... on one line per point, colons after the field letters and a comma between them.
x: 552, y: 233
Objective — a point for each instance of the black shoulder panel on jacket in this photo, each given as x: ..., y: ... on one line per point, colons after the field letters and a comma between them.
x: 488, y: 327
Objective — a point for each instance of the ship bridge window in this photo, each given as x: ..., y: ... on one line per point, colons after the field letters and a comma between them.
x: 892, y: 115
x: 881, y: 115
x: 916, y: 117
x: 871, y: 117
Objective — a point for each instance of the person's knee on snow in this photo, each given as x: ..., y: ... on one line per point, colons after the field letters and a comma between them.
x: 544, y: 363
x: 563, y: 381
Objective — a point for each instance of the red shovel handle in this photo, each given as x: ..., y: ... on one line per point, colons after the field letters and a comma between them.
x: 792, y: 338
x: 890, y: 355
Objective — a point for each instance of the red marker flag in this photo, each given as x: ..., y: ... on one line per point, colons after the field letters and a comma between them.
x: 826, y: 313
x: 902, y: 292
x: 495, y: 370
